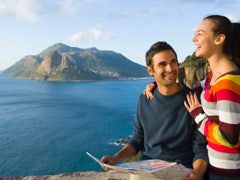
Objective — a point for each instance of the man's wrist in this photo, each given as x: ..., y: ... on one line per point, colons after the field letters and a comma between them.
x: 116, y: 158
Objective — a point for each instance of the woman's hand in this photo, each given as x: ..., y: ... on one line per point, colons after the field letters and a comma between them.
x: 148, y: 92
x: 192, y: 102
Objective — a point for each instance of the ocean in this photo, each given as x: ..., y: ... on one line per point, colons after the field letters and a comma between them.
x: 46, y: 128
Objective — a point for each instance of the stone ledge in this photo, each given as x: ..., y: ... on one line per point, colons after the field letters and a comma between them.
x: 89, y: 175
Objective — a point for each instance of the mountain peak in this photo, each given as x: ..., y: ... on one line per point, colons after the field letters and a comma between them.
x: 61, y: 62
x: 60, y: 47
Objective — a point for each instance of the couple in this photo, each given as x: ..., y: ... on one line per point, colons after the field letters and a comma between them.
x: 164, y: 128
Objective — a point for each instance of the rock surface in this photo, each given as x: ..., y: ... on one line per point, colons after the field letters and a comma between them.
x: 89, y: 175
x: 193, y: 70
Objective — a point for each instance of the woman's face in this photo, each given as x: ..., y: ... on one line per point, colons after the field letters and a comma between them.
x: 204, y: 39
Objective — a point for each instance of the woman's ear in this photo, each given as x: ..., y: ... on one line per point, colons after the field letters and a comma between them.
x: 220, y: 39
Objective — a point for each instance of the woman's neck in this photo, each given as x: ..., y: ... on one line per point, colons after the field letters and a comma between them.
x: 220, y: 66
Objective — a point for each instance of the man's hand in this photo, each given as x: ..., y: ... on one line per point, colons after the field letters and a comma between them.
x: 111, y: 160
x: 194, y: 176
x: 199, y: 169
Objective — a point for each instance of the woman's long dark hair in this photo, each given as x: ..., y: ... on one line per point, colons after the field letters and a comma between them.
x: 236, y: 43
x: 231, y: 46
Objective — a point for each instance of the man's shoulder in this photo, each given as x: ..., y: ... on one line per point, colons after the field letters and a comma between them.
x: 185, y: 88
x: 143, y: 97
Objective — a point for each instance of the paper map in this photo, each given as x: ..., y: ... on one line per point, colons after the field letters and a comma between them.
x: 151, y: 168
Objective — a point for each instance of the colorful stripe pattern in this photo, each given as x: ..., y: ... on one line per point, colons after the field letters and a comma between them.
x: 221, y: 103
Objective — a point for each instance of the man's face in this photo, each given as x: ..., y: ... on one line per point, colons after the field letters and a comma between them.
x: 165, y: 68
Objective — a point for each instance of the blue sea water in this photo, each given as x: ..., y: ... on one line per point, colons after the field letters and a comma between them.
x: 46, y: 127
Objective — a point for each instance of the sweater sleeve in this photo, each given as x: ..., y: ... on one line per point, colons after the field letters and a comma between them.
x: 225, y: 130
x: 137, y: 136
x: 228, y: 106
x: 198, y: 115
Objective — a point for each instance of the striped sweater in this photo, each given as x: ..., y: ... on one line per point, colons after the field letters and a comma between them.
x: 219, y: 121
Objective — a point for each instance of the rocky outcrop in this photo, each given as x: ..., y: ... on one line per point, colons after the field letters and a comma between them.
x: 90, y: 175
x: 193, y: 70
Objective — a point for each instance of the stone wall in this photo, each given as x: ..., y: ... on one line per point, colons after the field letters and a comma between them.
x: 89, y: 175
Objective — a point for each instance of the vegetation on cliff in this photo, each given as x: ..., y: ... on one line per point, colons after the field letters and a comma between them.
x: 193, y: 70
x: 60, y: 62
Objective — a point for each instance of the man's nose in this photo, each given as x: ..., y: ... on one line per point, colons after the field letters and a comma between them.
x: 169, y: 67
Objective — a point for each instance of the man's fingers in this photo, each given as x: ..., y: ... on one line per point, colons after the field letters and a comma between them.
x: 106, y: 168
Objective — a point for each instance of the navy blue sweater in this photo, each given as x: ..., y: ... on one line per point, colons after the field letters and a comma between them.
x: 163, y: 129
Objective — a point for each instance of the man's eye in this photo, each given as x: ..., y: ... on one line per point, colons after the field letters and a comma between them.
x: 175, y: 62
x: 162, y: 65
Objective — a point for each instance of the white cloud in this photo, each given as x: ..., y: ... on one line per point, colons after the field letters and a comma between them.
x: 221, y: 2
x: 94, y: 33
x: 108, y: 36
x: 185, y: 1
x: 7, y: 8
x: 232, y: 17
x: 32, y: 10
x: 80, y: 36
x: 73, y: 6
x: 68, y: 6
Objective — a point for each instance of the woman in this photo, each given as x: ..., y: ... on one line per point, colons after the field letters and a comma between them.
x: 219, y: 115
x: 218, y: 118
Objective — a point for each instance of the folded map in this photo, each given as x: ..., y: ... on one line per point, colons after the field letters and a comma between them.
x: 150, y: 168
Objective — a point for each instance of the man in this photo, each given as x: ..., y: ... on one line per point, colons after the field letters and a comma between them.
x: 163, y: 128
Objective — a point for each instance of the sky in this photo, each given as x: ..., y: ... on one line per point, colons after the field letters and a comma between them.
x: 129, y: 27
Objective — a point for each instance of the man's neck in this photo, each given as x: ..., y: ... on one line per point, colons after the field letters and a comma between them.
x: 169, y: 90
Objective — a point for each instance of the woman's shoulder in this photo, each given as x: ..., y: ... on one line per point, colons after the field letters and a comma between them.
x: 233, y: 76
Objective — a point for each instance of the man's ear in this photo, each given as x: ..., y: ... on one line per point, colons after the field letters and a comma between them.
x: 220, y: 39
x: 149, y: 70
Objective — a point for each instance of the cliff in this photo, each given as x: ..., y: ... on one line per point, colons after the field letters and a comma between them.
x: 193, y: 70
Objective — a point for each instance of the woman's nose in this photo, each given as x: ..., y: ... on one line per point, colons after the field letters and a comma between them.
x: 194, y: 39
